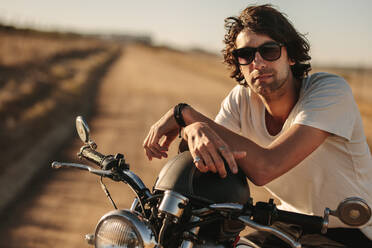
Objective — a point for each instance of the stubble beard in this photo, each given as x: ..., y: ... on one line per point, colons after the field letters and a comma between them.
x: 272, y: 90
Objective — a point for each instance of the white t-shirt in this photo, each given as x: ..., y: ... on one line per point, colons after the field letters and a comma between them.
x: 339, y: 168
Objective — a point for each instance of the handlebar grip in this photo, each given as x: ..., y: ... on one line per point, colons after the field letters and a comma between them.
x: 308, y: 222
x: 105, y: 162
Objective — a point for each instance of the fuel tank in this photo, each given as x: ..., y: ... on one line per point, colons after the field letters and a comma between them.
x: 181, y: 175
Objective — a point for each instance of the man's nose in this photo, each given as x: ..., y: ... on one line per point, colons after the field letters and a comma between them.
x: 258, y: 62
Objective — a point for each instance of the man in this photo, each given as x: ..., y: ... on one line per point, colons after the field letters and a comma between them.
x: 301, y: 136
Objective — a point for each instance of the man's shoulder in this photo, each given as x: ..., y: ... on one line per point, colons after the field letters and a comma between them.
x: 324, y: 77
x: 239, y: 88
x: 239, y: 92
x: 325, y: 80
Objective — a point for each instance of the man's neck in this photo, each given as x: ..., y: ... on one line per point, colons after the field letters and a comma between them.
x: 280, y: 104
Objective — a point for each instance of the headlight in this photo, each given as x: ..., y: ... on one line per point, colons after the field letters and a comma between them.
x: 122, y: 228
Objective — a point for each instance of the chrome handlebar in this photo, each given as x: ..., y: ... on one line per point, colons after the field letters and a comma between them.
x: 58, y: 165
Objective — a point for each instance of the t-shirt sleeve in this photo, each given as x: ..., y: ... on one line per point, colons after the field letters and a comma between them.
x: 229, y: 114
x: 328, y: 104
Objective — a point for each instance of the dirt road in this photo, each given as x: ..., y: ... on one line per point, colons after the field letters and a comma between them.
x: 143, y: 84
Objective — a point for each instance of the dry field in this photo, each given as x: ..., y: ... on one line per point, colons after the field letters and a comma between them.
x: 45, y: 81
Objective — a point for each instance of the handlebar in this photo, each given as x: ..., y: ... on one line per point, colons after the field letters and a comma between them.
x: 104, y: 162
x: 104, y: 173
x: 308, y: 222
x: 263, y: 214
x: 267, y: 213
x: 110, y: 161
x: 283, y: 236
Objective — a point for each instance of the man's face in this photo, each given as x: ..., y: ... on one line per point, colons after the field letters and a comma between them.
x: 264, y: 77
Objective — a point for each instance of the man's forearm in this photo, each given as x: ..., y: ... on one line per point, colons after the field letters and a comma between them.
x: 255, y: 163
x: 234, y: 140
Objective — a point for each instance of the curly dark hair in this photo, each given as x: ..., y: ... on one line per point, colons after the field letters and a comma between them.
x: 265, y: 19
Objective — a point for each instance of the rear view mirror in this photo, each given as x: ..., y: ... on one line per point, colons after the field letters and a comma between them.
x: 353, y: 211
x: 82, y: 129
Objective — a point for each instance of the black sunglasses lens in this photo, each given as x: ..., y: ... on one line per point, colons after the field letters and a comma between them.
x: 270, y: 52
x: 245, y: 56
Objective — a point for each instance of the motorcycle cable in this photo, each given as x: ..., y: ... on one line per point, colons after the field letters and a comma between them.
x: 104, y: 188
x: 152, y: 198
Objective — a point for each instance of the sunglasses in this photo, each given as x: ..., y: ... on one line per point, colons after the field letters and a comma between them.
x: 270, y: 51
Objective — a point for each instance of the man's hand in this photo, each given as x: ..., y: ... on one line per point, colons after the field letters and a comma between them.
x: 207, y: 148
x: 165, y: 127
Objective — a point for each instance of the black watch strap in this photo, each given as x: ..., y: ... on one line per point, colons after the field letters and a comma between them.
x: 178, y: 114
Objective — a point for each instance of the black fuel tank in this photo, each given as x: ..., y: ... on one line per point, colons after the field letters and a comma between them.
x: 180, y: 175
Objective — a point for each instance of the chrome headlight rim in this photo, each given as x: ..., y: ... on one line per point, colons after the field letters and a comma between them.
x: 140, y: 226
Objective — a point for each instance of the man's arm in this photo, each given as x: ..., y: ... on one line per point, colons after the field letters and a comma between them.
x: 261, y: 164
x: 165, y: 130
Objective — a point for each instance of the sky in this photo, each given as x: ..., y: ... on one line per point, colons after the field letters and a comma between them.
x: 339, y: 31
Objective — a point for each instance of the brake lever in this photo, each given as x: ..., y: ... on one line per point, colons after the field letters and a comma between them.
x: 58, y: 165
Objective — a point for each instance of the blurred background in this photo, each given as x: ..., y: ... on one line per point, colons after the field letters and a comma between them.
x: 122, y: 64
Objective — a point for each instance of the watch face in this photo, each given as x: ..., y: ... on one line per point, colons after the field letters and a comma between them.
x: 82, y: 129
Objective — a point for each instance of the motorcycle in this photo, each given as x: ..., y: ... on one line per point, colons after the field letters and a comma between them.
x: 187, y: 208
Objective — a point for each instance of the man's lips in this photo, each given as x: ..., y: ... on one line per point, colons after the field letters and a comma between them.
x: 263, y: 76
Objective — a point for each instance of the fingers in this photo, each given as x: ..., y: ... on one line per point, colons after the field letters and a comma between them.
x: 152, y: 147
x: 212, y: 149
x: 229, y: 157
x: 239, y: 154
x: 168, y: 140
x: 213, y: 159
x: 151, y: 154
x: 165, y: 127
x: 208, y: 160
x: 217, y: 164
x: 199, y: 162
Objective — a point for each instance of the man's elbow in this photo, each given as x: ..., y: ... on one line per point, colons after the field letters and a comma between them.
x: 263, y: 174
x: 260, y: 179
